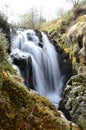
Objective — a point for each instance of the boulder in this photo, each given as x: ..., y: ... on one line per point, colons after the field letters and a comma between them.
x: 26, y: 110
x: 74, y: 100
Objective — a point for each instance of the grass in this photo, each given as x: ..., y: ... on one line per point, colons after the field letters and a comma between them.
x: 49, y: 26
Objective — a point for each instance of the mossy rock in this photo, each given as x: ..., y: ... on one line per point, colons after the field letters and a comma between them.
x: 25, y: 110
x: 74, y: 100
x: 81, y: 18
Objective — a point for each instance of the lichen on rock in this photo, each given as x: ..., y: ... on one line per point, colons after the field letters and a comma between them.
x: 74, y: 100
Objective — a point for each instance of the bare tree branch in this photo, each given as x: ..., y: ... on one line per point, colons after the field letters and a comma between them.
x: 74, y: 2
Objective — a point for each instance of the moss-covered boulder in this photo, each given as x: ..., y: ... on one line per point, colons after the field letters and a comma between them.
x: 25, y: 110
x: 74, y: 100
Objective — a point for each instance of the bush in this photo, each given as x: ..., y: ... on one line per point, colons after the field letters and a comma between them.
x: 5, y: 26
x: 67, y: 18
x: 3, y: 47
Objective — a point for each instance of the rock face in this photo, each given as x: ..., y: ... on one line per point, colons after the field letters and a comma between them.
x: 74, y: 100
x: 76, y: 38
x: 25, y: 110
x: 23, y: 63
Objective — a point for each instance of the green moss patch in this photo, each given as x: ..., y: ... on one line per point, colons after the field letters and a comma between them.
x: 26, y: 110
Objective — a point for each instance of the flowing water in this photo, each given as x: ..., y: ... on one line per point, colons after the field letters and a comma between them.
x: 47, y: 78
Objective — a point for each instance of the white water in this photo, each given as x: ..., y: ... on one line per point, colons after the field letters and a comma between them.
x: 46, y: 73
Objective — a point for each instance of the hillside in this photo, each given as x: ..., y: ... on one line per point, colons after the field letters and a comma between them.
x: 68, y: 18
x: 66, y: 31
x: 49, y: 26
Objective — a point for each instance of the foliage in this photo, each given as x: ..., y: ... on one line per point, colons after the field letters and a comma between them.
x: 32, y: 19
x: 66, y: 19
x: 4, y: 65
x: 7, y: 67
x: 83, y: 2
x: 4, y: 25
x: 49, y: 26
x: 3, y: 47
x: 58, y: 25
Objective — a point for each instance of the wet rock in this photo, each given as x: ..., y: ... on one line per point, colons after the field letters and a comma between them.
x: 38, y: 33
x: 25, y: 66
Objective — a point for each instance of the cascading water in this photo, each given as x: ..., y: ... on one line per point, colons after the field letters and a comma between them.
x: 46, y: 73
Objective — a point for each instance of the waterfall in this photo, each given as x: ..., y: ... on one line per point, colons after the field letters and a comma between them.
x: 46, y: 77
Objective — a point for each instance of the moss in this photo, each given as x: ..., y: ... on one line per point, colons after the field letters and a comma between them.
x: 81, y: 18
x: 3, y: 47
x: 23, y: 109
x: 49, y: 26
x: 7, y: 67
x: 4, y: 65
x: 17, y: 95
